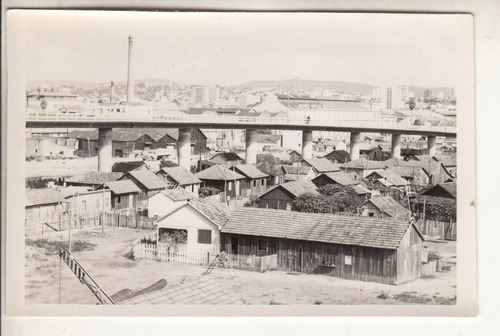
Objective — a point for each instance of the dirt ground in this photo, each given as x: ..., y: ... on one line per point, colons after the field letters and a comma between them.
x: 105, y: 257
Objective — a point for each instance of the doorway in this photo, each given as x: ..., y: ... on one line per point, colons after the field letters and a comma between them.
x: 234, y: 245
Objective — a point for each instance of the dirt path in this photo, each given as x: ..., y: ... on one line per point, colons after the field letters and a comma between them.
x: 108, y: 264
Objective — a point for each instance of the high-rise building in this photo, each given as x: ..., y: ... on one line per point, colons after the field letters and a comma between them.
x: 392, y: 97
x: 203, y: 95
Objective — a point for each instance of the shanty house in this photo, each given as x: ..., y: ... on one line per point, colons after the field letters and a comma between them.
x: 387, y: 178
x: 92, y: 179
x: 255, y: 181
x: 124, y: 194
x: 355, y: 248
x: 282, y: 196
x: 384, y: 207
x: 338, y: 156
x: 126, y: 166
x: 166, y: 201
x: 147, y: 182
x: 225, y: 180
x: 179, y: 177
x: 298, y: 173
x: 42, y: 206
x: 363, y: 167
x: 227, y: 159
x: 340, y: 178
x: 195, y: 225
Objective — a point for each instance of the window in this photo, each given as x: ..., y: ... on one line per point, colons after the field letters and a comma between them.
x: 371, y: 214
x: 118, y: 199
x: 204, y: 237
x: 348, y: 259
x: 254, y: 183
x: 261, y: 245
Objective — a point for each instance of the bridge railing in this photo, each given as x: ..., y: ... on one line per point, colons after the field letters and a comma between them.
x: 41, y: 115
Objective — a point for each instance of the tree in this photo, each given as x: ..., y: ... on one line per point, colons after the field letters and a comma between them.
x: 332, y: 199
x: 208, y: 191
x: 253, y: 202
x: 266, y: 162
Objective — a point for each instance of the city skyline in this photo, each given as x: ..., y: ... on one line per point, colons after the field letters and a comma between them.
x: 236, y: 47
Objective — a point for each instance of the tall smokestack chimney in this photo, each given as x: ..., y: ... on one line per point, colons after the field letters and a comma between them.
x: 112, y: 93
x: 130, y: 77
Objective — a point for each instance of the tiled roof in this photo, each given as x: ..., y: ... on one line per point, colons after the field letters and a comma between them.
x: 126, y: 166
x: 406, y: 171
x: 447, y: 160
x: 326, y: 228
x: 360, y: 190
x: 181, y: 175
x: 297, y: 188
x: 200, y: 290
x: 94, y: 178
x: 363, y: 163
x: 340, y: 178
x: 391, y: 176
x: 217, y: 172
x: 249, y: 170
x: 213, y: 209
x: 322, y: 165
x: 389, y: 205
x: 42, y: 196
x: 149, y: 180
x: 122, y: 187
x: 178, y: 194
x: 227, y: 156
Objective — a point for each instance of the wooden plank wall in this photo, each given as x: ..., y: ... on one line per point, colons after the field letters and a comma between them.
x: 275, y: 199
x: 409, y: 257
x: 368, y: 264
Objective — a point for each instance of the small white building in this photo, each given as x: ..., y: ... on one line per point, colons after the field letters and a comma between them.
x: 167, y: 201
x: 197, y: 222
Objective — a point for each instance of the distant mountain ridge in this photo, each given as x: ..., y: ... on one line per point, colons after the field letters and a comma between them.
x: 340, y: 86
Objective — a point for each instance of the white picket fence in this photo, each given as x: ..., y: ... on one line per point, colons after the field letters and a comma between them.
x: 179, y: 255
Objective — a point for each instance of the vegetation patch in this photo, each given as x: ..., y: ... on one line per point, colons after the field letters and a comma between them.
x: 409, y: 297
x: 54, y: 246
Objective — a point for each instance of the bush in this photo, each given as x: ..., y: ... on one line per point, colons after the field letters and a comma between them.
x: 253, y: 202
x: 208, y: 191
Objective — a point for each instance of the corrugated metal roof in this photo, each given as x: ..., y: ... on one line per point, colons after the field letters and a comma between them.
x: 249, y: 170
x: 122, y: 187
x: 149, y: 180
x: 181, y: 175
x: 217, y: 172
x: 94, y: 178
x: 326, y: 228
x: 42, y: 196
x: 322, y: 165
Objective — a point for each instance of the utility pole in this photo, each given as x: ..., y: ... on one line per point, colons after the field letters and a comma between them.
x: 71, y: 222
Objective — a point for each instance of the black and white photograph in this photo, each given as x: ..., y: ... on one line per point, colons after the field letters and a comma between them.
x: 286, y: 160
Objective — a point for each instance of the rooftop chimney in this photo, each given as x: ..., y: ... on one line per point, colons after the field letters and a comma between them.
x: 130, y: 76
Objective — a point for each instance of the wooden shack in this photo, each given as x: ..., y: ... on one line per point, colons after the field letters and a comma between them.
x: 355, y: 248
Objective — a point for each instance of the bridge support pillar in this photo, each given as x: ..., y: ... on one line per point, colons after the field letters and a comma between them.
x: 307, y: 145
x: 396, y: 146
x: 354, y: 145
x: 251, y: 146
x: 184, y: 148
x: 431, y: 145
x: 105, y: 150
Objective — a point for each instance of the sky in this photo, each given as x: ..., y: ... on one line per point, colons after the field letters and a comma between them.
x: 231, y: 48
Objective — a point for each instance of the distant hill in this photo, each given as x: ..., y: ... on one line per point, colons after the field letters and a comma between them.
x: 347, y: 87
x: 57, y: 83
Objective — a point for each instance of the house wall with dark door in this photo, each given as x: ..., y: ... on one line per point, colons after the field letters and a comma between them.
x: 199, y: 142
x: 231, y: 188
x: 343, y: 261
x: 124, y: 201
x: 276, y: 199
